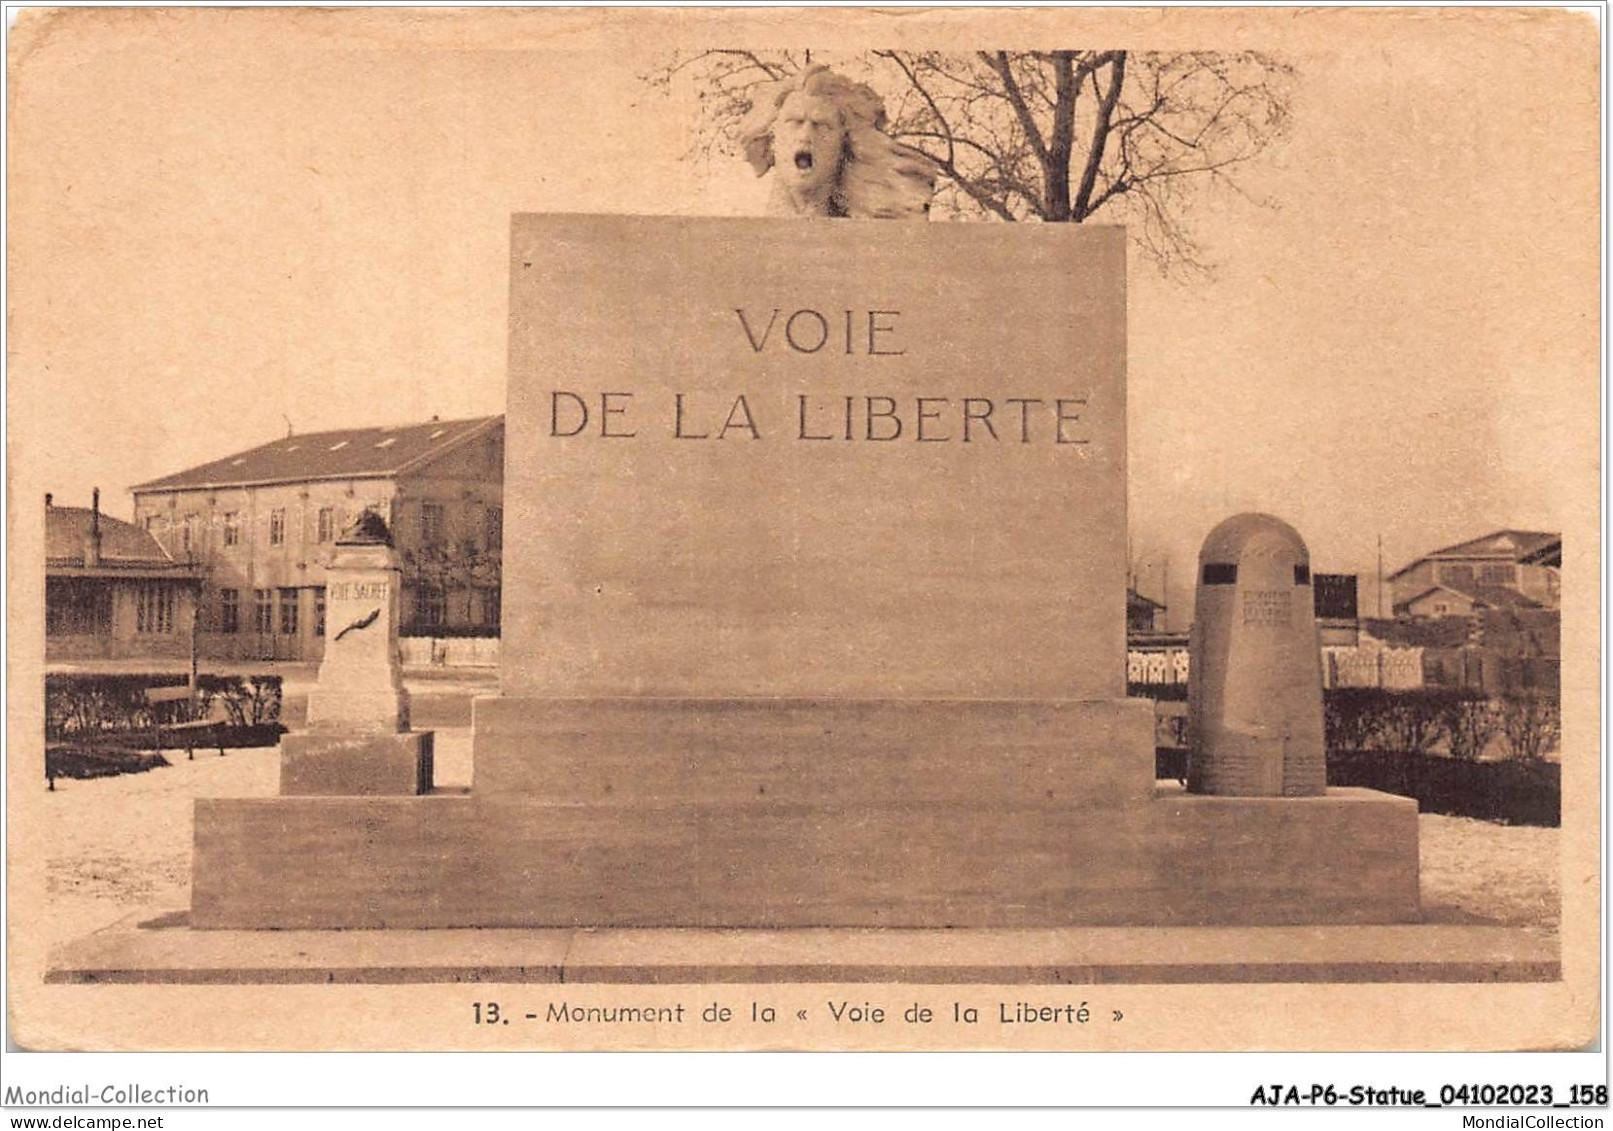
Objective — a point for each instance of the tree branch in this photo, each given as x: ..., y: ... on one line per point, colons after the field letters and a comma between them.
x: 1100, y: 134
x: 1056, y: 171
x: 999, y: 63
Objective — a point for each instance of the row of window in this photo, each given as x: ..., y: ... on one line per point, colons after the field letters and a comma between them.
x: 77, y: 607
x: 276, y: 611
x: 1494, y: 574
x: 432, y: 528
x: 266, y: 603
x: 84, y: 607
x: 230, y: 524
x: 431, y: 606
x: 154, y: 609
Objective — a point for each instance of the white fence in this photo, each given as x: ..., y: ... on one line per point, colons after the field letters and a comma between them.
x: 450, y: 652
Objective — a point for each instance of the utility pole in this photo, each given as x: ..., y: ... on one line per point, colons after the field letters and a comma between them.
x: 1165, y: 590
x: 1380, y: 575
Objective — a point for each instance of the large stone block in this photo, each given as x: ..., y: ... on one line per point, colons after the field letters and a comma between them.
x: 356, y: 765
x: 695, y: 506
x: 757, y: 752
x: 1349, y: 857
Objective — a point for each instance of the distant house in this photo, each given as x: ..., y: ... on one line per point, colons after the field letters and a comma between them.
x: 1143, y: 614
x: 1509, y: 569
x: 111, y: 591
x: 261, y: 524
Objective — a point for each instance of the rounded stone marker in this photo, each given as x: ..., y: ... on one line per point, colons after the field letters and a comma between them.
x: 1255, y: 694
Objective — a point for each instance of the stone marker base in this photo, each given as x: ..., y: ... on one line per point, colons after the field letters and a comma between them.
x: 164, y: 951
x: 460, y: 861
x: 355, y: 765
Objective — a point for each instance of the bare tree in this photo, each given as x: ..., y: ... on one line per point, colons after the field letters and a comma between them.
x: 1531, y: 724
x: 1413, y: 721
x: 1472, y: 723
x: 1054, y: 136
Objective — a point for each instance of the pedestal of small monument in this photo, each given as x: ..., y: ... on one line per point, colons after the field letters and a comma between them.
x: 814, y: 584
x: 358, y: 741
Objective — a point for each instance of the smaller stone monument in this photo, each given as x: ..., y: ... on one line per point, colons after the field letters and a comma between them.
x: 358, y: 740
x: 1255, y: 700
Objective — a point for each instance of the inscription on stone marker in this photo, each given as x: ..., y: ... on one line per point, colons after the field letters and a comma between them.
x: 357, y: 591
x: 1268, y: 607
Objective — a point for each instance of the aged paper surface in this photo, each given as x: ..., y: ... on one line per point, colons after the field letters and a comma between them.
x: 226, y: 225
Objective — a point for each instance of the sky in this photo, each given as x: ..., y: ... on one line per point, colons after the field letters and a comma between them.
x: 222, y: 222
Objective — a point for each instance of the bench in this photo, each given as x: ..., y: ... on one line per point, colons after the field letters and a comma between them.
x: 187, y: 733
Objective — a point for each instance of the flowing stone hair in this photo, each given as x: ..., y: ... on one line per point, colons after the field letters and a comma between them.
x: 878, y: 178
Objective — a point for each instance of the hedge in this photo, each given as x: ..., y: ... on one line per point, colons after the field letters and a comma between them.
x: 1381, y: 739
x: 86, y: 706
x: 1515, y: 791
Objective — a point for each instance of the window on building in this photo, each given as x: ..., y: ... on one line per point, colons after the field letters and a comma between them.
x: 1498, y: 574
x: 154, y: 608
x: 288, y: 612
x: 319, y: 611
x: 277, y: 527
x: 491, y: 601
x: 493, y: 529
x: 232, y: 528
x: 1458, y: 575
x: 327, y: 524
x: 430, y: 606
x: 187, y: 534
x: 431, y: 525
x: 229, y: 610
x: 77, y: 607
x: 263, y: 610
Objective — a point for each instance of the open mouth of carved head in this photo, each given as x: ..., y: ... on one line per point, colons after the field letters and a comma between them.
x: 803, y: 160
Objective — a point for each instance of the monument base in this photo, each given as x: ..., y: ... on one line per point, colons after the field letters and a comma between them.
x: 355, y: 765
x: 803, y: 813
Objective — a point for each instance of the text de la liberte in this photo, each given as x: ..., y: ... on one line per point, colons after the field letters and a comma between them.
x: 819, y: 416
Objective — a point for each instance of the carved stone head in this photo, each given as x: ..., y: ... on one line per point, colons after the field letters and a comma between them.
x: 821, y: 136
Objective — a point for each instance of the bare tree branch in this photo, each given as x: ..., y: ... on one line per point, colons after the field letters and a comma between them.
x: 1015, y: 138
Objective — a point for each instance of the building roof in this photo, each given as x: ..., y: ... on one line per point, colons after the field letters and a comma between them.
x: 123, y: 545
x: 1482, y: 596
x: 1135, y: 600
x: 351, y: 453
x: 1500, y: 597
x: 1502, y: 545
x: 1550, y: 554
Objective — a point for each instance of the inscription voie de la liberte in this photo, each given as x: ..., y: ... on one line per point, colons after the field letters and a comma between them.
x: 871, y: 416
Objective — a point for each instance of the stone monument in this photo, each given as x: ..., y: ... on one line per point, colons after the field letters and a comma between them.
x: 358, y: 740
x: 814, y: 615
x: 1255, y: 700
